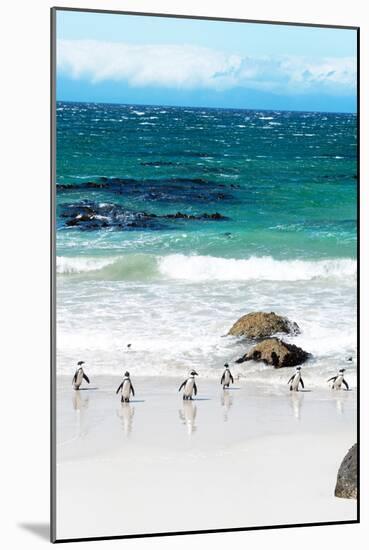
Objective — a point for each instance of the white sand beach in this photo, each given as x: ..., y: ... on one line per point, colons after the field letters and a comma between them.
x: 250, y: 456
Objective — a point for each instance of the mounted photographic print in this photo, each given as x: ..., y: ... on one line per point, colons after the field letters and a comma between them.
x: 204, y: 294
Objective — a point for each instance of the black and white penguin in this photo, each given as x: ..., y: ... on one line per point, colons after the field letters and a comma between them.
x: 189, y: 386
x: 126, y: 388
x: 79, y: 375
x: 338, y: 380
x: 295, y: 380
x: 227, y: 377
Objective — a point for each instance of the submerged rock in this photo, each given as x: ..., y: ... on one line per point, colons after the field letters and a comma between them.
x: 275, y: 352
x: 262, y: 325
x: 346, y: 486
x: 205, y: 216
x: 89, y: 216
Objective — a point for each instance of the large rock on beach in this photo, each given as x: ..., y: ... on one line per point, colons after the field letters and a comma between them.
x: 275, y: 352
x: 263, y: 325
x: 346, y: 486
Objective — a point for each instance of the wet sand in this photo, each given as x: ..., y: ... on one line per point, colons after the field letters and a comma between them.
x: 250, y: 456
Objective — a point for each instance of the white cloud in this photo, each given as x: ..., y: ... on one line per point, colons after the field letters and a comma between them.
x: 190, y: 67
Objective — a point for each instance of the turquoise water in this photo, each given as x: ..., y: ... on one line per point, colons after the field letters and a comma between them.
x: 173, y: 222
x: 285, y: 181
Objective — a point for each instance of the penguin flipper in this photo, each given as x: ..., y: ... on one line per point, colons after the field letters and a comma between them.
x: 333, y: 379
x: 231, y: 378
x: 345, y: 383
x: 290, y: 380
x: 74, y: 378
x: 302, y: 383
x: 221, y: 380
x: 195, y: 389
x: 182, y: 385
x: 86, y: 378
x: 132, y: 390
x: 119, y: 388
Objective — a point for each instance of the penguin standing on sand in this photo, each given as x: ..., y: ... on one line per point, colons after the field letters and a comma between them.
x: 79, y: 375
x: 126, y: 388
x: 296, y: 380
x: 338, y: 380
x: 227, y: 377
x: 189, y: 386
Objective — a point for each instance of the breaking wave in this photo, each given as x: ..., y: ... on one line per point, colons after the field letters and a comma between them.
x: 205, y: 268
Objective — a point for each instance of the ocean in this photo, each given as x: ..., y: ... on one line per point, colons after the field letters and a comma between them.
x: 172, y: 222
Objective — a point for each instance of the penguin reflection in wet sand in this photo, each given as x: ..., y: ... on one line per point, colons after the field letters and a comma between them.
x: 296, y: 380
x: 189, y: 386
x: 126, y: 388
x: 79, y: 375
x: 338, y: 380
x: 227, y: 377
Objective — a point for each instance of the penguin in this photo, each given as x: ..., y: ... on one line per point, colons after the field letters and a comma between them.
x: 126, y: 388
x: 227, y: 377
x: 129, y: 346
x: 295, y: 380
x: 79, y: 375
x: 189, y: 386
x: 338, y: 380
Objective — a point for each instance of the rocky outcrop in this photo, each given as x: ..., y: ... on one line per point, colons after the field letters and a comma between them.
x: 92, y: 215
x: 346, y: 486
x: 275, y: 352
x: 263, y: 325
x: 205, y: 216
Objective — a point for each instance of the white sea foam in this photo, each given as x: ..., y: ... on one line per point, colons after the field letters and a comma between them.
x: 175, y: 324
x: 66, y: 265
x: 202, y: 268
x: 208, y: 268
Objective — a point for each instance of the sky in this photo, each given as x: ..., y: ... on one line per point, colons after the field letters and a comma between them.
x: 116, y: 58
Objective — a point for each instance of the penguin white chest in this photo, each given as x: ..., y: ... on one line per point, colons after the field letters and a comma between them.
x: 79, y: 378
x: 296, y: 381
x: 126, y: 388
x: 337, y: 383
x: 189, y: 387
x: 227, y: 378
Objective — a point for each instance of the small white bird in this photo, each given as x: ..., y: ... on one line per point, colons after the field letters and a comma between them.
x: 79, y: 375
x: 189, y: 386
x: 338, y: 380
x: 296, y: 380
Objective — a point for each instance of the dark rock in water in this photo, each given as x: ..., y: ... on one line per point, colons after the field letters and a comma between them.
x: 346, y: 486
x: 168, y: 189
x: 95, y: 185
x: 215, y: 216
x: 90, y: 216
x: 80, y: 218
x: 275, y: 352
x: 181, y: 216
x: 262, y: 325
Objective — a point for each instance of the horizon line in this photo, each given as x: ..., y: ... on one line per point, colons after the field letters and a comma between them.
x: 206, y: 107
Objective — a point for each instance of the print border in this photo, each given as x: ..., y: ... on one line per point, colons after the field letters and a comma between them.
x: 53, y: 484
